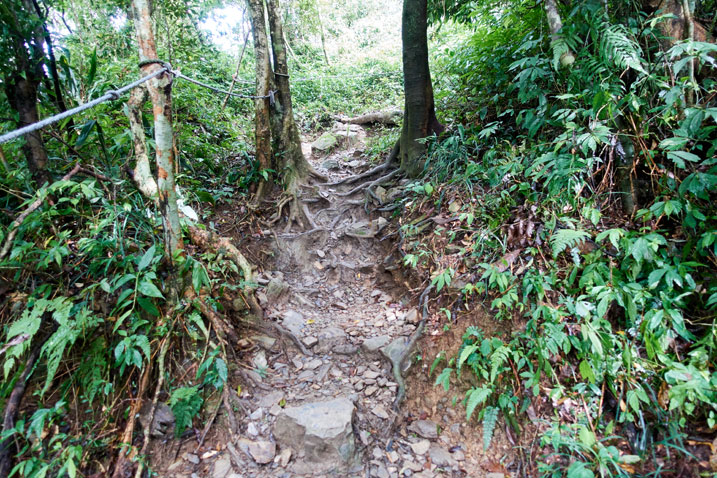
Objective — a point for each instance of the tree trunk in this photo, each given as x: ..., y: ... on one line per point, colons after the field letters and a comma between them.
x: 287, y: 141
x: 556, y: 24
x: 142, y: 172
x: 160, y: 91
x: 278, y: 144
x: 321, y: 31
x: 263, y: 86
x: 420, y: 115
x: 21, y: 89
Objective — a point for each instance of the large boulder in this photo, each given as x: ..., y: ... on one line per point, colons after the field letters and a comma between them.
x: 321, y: 433
x: 325, y: 142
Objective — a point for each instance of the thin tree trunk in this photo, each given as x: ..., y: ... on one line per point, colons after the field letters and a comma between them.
x: 263, y: 86
x: 419, y: 114
x: 236, y: 73
x: 321, y: 31
x: 160, y: 91
x: 142, y: 172
x: 556, y: 24
x: 286, y: 134
x: 59, y: 100
x: 21, y: 89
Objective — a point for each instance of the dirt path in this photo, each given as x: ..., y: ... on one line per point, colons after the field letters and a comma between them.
x: 328, y: 411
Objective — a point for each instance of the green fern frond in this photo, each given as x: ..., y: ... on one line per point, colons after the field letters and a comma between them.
x: 490, y: 419
x: 497, y: 359
x: 617, y: 47
x: 475, y: 397
x: 566, y: 238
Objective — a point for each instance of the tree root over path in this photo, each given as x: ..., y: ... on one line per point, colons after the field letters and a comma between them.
x: 397, y: 363
x: 210, y: 240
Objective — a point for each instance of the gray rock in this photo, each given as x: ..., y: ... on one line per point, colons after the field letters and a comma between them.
x: 370, y: 390
x: 325, y: 142
x: 345, y: 349
x: 264, y: 341
x: 293, y: 322
x: 310, y: 341
x: 271, y: 398
x: 420, y: 447
x: 330, y: 338
x: 191, y: 458
x: 313, y: 364
x: 381, y: 472
x: 324, y: 431
x: 440, y: 456
x: 412, y: 316
x: 222, y: 467
x: 284, y: 457
x: 162, y: 420
x: 425, y: 429
x: 252, y: 430
x: 412, y: 466
x: 261, y: 452
x: 330, y: 164
x: 275, y: 289
x: 374, y: 344
x: 380, y: 412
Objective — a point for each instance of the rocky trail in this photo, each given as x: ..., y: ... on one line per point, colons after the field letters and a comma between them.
x: 319, y: 401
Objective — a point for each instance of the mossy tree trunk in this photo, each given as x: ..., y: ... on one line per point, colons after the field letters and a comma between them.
x: 278, y: 144
x: 23, y: 80
x: 420, y: 116
x: 160, y: 92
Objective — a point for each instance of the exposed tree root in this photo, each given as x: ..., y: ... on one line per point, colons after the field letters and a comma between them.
x: 399, y: 362
x: 160, y: 382
x: 358, y: 177
x: 123, y: 465
x: 370, y: 184
x: 11, y: 408
x: 222, y: 329
x: 209, y: 240
x: 281, y: 331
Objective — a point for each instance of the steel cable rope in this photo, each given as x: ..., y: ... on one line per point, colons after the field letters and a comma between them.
x: 166, y: 67
x: 109, y: 95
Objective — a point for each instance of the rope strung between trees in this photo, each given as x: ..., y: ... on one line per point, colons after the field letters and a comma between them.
x: 109, y: 95
x: 224, y: 92
x: 114, y: 95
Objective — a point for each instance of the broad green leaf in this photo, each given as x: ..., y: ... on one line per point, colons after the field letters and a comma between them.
x: 146, y: 259
x: 147, y: 288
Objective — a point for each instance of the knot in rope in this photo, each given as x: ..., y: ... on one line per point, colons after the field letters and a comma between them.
x: 113, y: 94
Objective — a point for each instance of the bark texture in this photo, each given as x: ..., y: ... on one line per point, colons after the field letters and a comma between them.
x: 677, y: 26
x: 160, y: 92
x: 21, y: 86
x: 556, y: 24
x: 262, y: 131
x: 420, y: 116
x: 278, y: 144
x: 142, y: 173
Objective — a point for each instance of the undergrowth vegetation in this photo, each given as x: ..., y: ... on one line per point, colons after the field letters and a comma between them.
x: 86, y: 306
x: 579, y: 205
